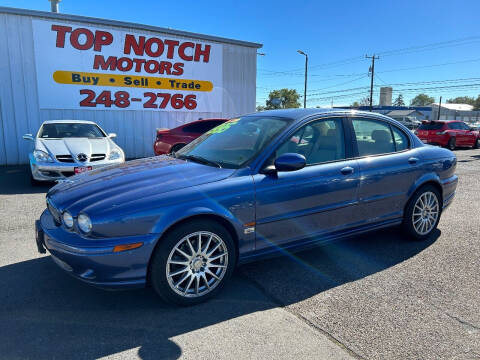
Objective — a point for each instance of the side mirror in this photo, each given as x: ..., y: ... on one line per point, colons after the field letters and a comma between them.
x: 112, y: 135
x: 285, y: 162
x: 28, y: 137
x: 290, y: 162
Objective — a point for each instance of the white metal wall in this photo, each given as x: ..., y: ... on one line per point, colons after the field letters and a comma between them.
x: 20, y: 113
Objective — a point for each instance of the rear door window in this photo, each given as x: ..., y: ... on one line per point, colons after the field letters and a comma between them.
x: 454, y: 126
x: 373, y: 137
x: 401, y: 139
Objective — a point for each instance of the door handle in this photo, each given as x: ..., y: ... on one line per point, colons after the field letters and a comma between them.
x: 412, y: 160
x: 346, y: 170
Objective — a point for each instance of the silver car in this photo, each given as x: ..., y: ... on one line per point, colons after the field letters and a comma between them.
x: 67, y: 147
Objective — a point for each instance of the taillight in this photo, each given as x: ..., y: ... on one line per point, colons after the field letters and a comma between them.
x: 160, y: 133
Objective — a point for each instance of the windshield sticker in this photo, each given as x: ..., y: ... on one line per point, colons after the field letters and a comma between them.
x: 222, y: 128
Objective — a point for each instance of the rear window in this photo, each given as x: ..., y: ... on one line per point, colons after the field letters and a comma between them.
x: 431, y: 126
x: 202, y: 126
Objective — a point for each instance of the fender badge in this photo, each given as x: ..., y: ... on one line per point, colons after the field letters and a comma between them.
x: 249, y: 230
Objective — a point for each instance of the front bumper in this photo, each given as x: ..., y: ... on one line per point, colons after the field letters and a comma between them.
x: 93, y: 260
x: 44, y: 171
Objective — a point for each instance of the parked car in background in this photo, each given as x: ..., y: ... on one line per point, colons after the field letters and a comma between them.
x: 62, y: 148
x: 172, y: 140
x: 258, y: 185
x: 448, y: 133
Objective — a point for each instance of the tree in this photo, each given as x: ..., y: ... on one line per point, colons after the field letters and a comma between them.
x: 399, y: 101
x: 422, y: 100
x: 462, y: 100
x: 282, y: 99
x: 260, y: 108
x: 476, y: 105
x: 365, y: 101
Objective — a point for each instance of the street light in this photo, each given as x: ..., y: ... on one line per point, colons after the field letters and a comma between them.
x: 306, y: 69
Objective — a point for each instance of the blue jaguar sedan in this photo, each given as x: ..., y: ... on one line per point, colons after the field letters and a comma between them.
x: 255, y: 186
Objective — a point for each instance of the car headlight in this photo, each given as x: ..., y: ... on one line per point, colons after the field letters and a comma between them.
x: 40, y: 155
x: 67, y: 219
x: 115, y: 154
x: 84, y: 223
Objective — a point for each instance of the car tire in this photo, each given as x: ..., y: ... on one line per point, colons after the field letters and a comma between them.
x: 182, y: 274
x: 476, y: 144
x: 422, y: 213
x: 176, y: 147
x: 451, y: 144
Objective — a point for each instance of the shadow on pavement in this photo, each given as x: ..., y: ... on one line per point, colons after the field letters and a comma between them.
x: 46, y: 314
x: 16, y: 180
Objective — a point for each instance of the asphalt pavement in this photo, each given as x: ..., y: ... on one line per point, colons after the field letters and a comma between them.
x: 375, y: 296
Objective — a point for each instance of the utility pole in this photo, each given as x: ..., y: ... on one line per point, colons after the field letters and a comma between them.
x: 306, y: 69
x: 372, y: 72
x: 439, y: 108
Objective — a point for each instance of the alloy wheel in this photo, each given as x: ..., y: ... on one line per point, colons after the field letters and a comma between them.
x: 197, y: 264
x: 425, y: 213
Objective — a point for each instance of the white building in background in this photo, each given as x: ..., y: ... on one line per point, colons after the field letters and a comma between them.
x: 463, y: 112
x: 129, y: 78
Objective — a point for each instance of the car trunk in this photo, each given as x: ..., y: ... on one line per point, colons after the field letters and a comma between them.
x: 429, y: 128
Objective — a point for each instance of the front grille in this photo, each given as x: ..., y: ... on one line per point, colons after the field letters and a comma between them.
x: 97, y: 157
x: 48, y: 173
x: 65, y: 158
x: 68, y: 173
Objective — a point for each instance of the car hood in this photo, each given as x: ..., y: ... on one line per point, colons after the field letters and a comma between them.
x: 75, y: 146
x: 120, y: 186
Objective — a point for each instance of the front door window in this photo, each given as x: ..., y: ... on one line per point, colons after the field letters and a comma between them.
x: 319, y: 141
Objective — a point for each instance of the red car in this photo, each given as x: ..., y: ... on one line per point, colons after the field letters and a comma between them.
x: 171, y: 140
x: 448, y: 133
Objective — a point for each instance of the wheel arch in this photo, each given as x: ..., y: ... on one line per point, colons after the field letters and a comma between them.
x: 432, y: 180
x: 227, y: 224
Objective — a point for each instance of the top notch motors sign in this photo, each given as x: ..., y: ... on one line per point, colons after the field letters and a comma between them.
x: 80, y: 67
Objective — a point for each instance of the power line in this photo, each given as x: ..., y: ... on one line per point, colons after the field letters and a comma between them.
x: 434, y: 89
x: 401, y: 51
x: 432, y: 46
x: 432, y: 82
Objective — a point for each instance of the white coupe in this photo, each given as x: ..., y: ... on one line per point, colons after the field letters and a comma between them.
x: 63, y: 148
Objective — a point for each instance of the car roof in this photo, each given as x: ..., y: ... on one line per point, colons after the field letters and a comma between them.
x: 298, y: 114
x: 200, y: 120
x: 443, y: 121
x: 68, y: 121
x: 197, y: 122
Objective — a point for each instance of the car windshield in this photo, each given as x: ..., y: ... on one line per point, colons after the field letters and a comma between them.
x: 70, y: 130
x: 434, y: 125
x: 234, y: 143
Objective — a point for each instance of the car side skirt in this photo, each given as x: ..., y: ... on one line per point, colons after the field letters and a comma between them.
x: 288, y: 249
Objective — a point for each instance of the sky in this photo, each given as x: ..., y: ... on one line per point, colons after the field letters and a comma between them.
x: 430, y: 46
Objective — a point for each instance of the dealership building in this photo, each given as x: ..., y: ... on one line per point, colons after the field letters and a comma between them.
x: 129, y: 78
